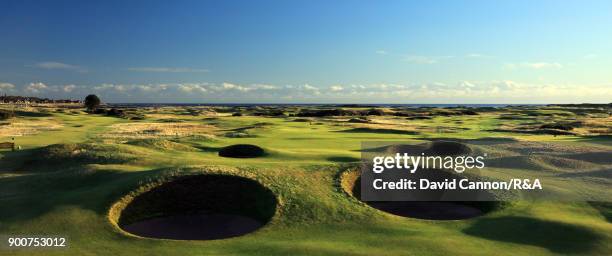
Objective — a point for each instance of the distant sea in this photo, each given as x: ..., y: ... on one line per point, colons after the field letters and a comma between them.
x: 136, y: 105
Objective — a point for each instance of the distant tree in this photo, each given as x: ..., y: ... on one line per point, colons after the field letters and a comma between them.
x: 92, y: 102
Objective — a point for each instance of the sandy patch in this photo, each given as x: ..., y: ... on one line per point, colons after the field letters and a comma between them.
x: 24, y: 128
x: 596, y: 126
x: 158, y: 130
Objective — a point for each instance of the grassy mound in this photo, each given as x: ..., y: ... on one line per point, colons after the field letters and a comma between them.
x: 71, y: 154
x: 540, y: 131
x: 197, y: 194
x: 555, y: 236
x: 148, y: 130
x: 419, y: 118
x: 448, y: 148
x: 242, y: 151
x: 560, y: 126
x: 405, y: 148
x: 301, y: 167
x: 161, y: 144
x: 358, y: 120
x: 540, y: 162
x: 239, y: 135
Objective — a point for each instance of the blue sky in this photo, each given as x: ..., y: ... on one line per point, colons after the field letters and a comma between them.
x: 309, y: 51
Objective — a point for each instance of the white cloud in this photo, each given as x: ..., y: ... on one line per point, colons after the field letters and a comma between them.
x: 6, y: 87
x: 168, y: 70
x: 152, y: 88
x: 69, y: 88
x: 534, y: 65
x: 103, y: 87
x: 265, y: 87
x: 189, y: 88
x: 466, y: 84
x: 231, y: 86
x: 477, y: 56
x: 381, y: 52
x: 425, y: 59
x: 540, y: 65
x: 497, y: 91
x: 59, y: 65
x: 310, y: 87
x: 35, y: 88
x: 122, y: 88
x: 115, y: 87
x: 336, y: 88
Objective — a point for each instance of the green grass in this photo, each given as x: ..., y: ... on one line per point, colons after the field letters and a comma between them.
x: 55, y: 193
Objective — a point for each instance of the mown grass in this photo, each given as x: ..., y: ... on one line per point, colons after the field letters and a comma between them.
x: 63, y: 193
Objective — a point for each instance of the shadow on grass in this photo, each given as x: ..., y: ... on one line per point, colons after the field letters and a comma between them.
x: 480, y: 141
x: 597, y: 139
x: 607, y: 174
x: 32, y: 114
x: 348, y: 238
x: 410, y: 149
x: 487, y: 141
x: 604, y: 208
x: 530, y: 163
x: 28, y: 197
x: 555, y: 236
x: 13, y: 160
x: 343, y: 159
x: 379, y: 130
x: 593, y: 157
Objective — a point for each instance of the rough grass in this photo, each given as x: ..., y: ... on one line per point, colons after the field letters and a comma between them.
x: 21, y: 127
x: 314, y: 215
x: 74, y: 154
x: 379, y: 130
x: 586, y: 126
x: 448, y: 148
x: 157, y: 130
x: 161, y: 144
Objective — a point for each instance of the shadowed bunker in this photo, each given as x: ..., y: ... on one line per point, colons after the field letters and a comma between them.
x: 242, y: 151
x: 431, y: 210
x: 315, y: 219
x: 199, y: 207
